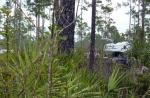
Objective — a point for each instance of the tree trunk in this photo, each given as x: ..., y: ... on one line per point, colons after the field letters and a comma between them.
x: 38, y: 14
x: 19, y: 33
x: 142, y: 35
x: 7, y: 35
x: 139, y: 13
x: 37, y: 26
x: 129, y: 34
x: 53, y: 19
x: 43, y: 21
x: 92, y: 45
x: 65, y: 21
x: 81, y: 24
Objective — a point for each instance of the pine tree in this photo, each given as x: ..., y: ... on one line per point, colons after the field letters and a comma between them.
x: 92, y: 45
x: 65, y: 20
x: 142, y: 35
x: 37, y: 7
x: 18, y: 18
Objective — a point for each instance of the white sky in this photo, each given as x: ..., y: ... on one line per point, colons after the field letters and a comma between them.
x: 119, y: 15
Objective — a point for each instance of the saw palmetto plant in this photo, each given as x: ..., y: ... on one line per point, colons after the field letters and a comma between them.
x: 26, y: 75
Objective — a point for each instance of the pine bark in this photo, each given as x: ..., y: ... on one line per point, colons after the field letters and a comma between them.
x: 92, y: 45
x: 139, y: 13
x: 142, y: 35
x: 66, y: 22
x: 37, y: 26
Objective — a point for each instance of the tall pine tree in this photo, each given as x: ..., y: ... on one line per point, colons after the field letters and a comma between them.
x: 92, y: 45
x: 65, y: 20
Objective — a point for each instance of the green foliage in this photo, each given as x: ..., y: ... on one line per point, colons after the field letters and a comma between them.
x: 5, y: 10
x: 114, y: 80
x: 26, y: 75
x: 36, y: 6
x: 141, y: 52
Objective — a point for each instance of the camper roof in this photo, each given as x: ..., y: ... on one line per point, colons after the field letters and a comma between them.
x: 117, y: 47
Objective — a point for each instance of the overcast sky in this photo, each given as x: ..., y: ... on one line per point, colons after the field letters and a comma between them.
x: 119, y: 15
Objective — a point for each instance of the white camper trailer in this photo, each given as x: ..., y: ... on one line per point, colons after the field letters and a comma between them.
x: 118, y: 47
x: 116, y: 51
